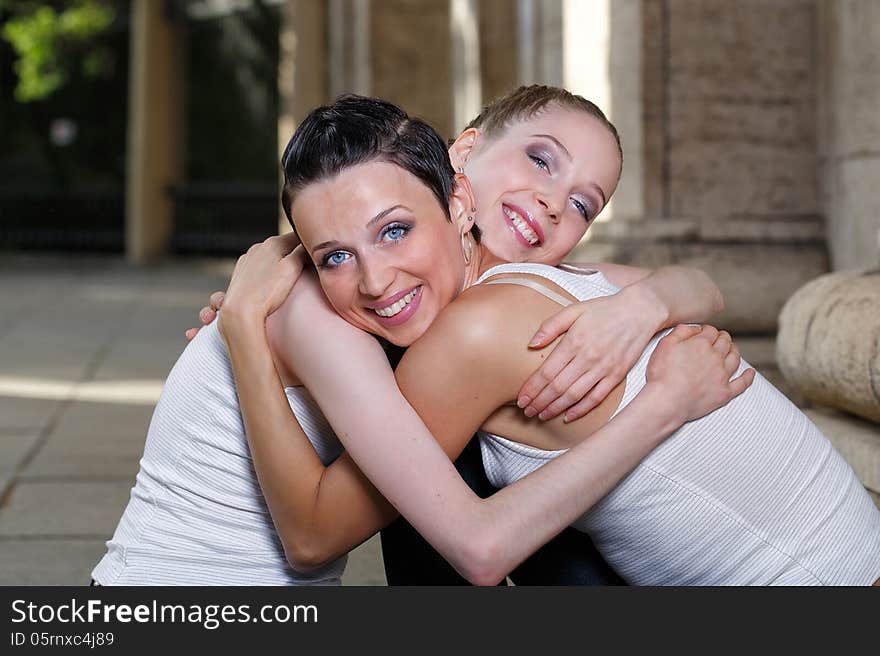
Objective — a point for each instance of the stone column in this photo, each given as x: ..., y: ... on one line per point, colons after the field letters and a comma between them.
x: 155, y: 129
x: 729, y: 152
x: 411, y: 58
x: 467, y: 93
x: 348, y: 47
x: 849, y: 127
x: 500, y: 47
x: 607, y: 69
x: 302, y: 76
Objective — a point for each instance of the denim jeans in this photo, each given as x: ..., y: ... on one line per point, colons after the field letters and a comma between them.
x: 569, y: 559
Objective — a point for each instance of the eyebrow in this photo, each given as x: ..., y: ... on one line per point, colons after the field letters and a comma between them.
x: 561, y: 147
x: 599, y: 191
x: 381, y: 215
x: 557, y: 142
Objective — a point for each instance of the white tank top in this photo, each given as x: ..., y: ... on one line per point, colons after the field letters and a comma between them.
x: 751, y: 494
x: 197, y: 514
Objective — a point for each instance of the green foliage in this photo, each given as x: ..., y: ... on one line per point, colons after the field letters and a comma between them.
x: 49, y: 44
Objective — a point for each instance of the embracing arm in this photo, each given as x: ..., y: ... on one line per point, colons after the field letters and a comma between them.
x: 678, y: 294
x: 320, y: 512
x: 602, y: 338
x: 475, y: 368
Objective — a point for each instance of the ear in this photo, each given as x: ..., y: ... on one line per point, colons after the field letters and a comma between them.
x: 461, y: 204
x: 461, y: 148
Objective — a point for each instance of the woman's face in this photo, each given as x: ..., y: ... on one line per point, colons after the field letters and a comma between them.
x: 540, y: 183
x: 387, y: 256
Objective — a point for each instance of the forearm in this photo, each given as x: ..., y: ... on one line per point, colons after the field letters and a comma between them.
x: 299, y: 490
x: 504, y: 529
x: 675, y: 294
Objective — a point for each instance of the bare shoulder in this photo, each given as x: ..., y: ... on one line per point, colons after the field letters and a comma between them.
x: 495, y: 318
x: 480, y: 341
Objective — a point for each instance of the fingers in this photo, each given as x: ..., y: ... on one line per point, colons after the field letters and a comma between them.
x: 594, y: 398
x: 709, y: 332
x: 560, y: 394
x: 282, y: 244
x: 741, y: 383
x: 216, y: 300
x: 192, y: 332
x: 723, y: 343
x: 554, y: 326
x: 732, y: 360
x: 547, y: 372
x: 682, y: 332
x: 207, y: 315
x: 290, y: 240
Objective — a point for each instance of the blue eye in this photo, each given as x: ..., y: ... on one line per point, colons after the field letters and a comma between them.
x: 334, y: 259
x: 395, y: 232
x: 581, y: 208
x: 540, y: 163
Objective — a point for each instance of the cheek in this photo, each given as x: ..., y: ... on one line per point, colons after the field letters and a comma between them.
x: 337, y: 290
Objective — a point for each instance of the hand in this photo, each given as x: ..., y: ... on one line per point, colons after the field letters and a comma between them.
x: 207, y: 314
x: 605, y: 337
x: 692, y: 367
x: 262, y: 279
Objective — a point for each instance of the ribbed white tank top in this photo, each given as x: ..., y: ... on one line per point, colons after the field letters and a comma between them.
x: 751, y: 494
x: 197, y: 514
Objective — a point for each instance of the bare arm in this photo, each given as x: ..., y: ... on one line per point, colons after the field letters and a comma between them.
x: 604, y: 337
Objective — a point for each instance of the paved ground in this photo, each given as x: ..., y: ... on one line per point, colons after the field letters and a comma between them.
x: 85, y: 344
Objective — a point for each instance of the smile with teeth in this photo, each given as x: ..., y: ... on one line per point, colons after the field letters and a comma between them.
x: 396, y: 308
x: 521, y: 226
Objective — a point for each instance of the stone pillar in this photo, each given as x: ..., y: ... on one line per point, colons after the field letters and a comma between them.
x: 155, y: 129
x: 829, y: 341
x: 467, y: 93
x: 607, y: 69
x: 539, y: 32
x: 411, y: 58
x: 727, y: 102
x: 302, y: 77
x: 500, y: 47
x: 348, y: 47
x: 849, y: 126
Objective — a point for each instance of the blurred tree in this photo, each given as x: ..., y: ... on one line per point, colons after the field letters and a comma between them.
x: 49, y: 42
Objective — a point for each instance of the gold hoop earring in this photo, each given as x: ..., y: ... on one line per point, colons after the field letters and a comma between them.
x: 467, y: 248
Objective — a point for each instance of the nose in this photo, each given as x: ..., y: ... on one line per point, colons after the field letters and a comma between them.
x: 375, y: 276
x: 549, y: 206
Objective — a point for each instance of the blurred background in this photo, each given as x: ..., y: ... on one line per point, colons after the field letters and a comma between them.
x: 139, y: 142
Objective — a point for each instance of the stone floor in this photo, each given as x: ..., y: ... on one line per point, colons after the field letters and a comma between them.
x: 85, y: 344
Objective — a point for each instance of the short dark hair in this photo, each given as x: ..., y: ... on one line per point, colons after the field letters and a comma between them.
x: 355, y: 130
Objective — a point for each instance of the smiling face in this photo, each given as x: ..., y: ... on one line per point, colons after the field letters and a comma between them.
x: 540, y: 182
x: 387, y: 256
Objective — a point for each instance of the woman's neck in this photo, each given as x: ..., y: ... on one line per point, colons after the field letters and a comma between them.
x: 482, y: 261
